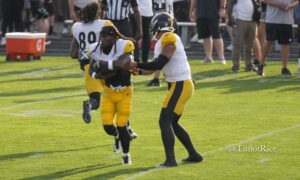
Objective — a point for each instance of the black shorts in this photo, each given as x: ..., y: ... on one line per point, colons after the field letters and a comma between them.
x: 207, y: 28
x: 37, y: 10
x: 283, y: 33
x: 49, y: 7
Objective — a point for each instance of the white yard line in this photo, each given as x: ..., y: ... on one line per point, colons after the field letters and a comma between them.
x: 260, y: 136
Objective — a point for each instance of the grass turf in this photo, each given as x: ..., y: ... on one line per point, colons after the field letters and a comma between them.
x: 230, y: 118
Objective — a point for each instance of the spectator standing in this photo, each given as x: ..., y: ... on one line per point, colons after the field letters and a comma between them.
x: 12, y: 17
x: 48, y: 4
x: 244, y: 32
x: 279, y: 26
x: 41, y: 15
x: 145, y: 8
x: 207, y: 13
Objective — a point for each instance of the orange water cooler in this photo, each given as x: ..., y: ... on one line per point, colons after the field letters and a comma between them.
x: 24, y: 46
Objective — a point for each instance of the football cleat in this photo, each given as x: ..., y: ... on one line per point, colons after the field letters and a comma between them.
x: 169, y: 164
x: 117, y: 146
x: 126, y: 160
x: 86, y: 116
x: 193, y: 159
x: 132, y: 135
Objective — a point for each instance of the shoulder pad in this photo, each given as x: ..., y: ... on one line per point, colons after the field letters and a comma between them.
x: 168, y: 38
x: 129, y: 47
x: 108, y: 23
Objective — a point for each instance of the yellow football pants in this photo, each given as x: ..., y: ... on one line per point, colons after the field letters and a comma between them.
x: 92, y: 84
x: 179, y: 93
x: 116, y: 106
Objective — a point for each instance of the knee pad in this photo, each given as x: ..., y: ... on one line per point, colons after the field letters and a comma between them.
x: 110, y: 130
x: 95, y: 100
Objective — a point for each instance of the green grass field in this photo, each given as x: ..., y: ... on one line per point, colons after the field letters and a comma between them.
x: 246, y: 126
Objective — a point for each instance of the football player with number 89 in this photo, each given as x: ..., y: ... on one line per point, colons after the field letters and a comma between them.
x: 85, y: 32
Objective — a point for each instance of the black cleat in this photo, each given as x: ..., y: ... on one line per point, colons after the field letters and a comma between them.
x: 193, y: 159
x: 132, y: 135
x: 117, y: 146
x: 126, y: 160
x: 169, y: 164
x: 154, y: 82
x: 260, y: 70
x: 286, y: 72
x: 86, y: 116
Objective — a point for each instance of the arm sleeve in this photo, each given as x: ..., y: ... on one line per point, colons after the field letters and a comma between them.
x: 157, y: 64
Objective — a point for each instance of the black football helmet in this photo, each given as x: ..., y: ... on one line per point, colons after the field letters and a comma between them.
x: 162, y: 22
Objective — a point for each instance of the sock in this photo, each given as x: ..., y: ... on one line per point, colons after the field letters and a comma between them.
x: 167, y: 135
x: 124, y: 138
x: 50, y: 29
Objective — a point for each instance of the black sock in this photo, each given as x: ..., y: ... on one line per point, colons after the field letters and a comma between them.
x: 184, y: 138
x: 124, y: 138
x: 167, y: 135
x: 50, y: 30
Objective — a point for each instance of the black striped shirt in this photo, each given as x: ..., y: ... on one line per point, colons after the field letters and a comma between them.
x: 118, y: 9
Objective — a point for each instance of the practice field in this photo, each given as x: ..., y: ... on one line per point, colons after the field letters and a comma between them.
x: 245, y: 126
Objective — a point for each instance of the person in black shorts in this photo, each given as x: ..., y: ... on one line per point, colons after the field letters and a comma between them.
x: 48, y: 4
x: 207, y: 13
x: 279, y: 26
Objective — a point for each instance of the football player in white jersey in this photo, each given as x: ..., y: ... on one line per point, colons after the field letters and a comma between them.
x: 86, y: 32
x: 116, y: 97
x: 170, y: 57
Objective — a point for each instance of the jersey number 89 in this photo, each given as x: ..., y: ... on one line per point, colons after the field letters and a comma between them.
x: 91, y: 38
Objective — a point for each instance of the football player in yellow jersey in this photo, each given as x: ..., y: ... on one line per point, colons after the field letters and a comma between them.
x: 85, y: 32
x: 170, y: 57
x: 116, y: 97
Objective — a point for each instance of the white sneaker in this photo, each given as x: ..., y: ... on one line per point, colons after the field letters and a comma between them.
x: 223, y: 61
x: 64, y: 31
x: 200, y: 41
x: 3, y: 41
x: 229, y: 47
x: 48, y: 43
x: 194, y: 38
x: 208, y: 61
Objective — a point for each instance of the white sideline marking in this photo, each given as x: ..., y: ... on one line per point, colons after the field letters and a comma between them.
x: 223, y: 148
x: 263, y: 160
x: 46, y: 69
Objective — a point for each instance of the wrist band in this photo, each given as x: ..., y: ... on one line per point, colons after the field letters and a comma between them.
x: 94, y: 75
x: 110, y: 65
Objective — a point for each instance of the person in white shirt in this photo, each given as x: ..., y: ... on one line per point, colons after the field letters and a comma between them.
x: 244, y: 32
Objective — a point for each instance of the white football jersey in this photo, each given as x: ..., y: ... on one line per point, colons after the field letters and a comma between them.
x: 87, y: 34
x: 177, y: 68
x: 122, y: 46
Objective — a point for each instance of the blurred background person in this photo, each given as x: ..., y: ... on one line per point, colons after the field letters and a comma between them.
x: 207, y: 14
x: 12, y: 18
x: 279, y: 26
